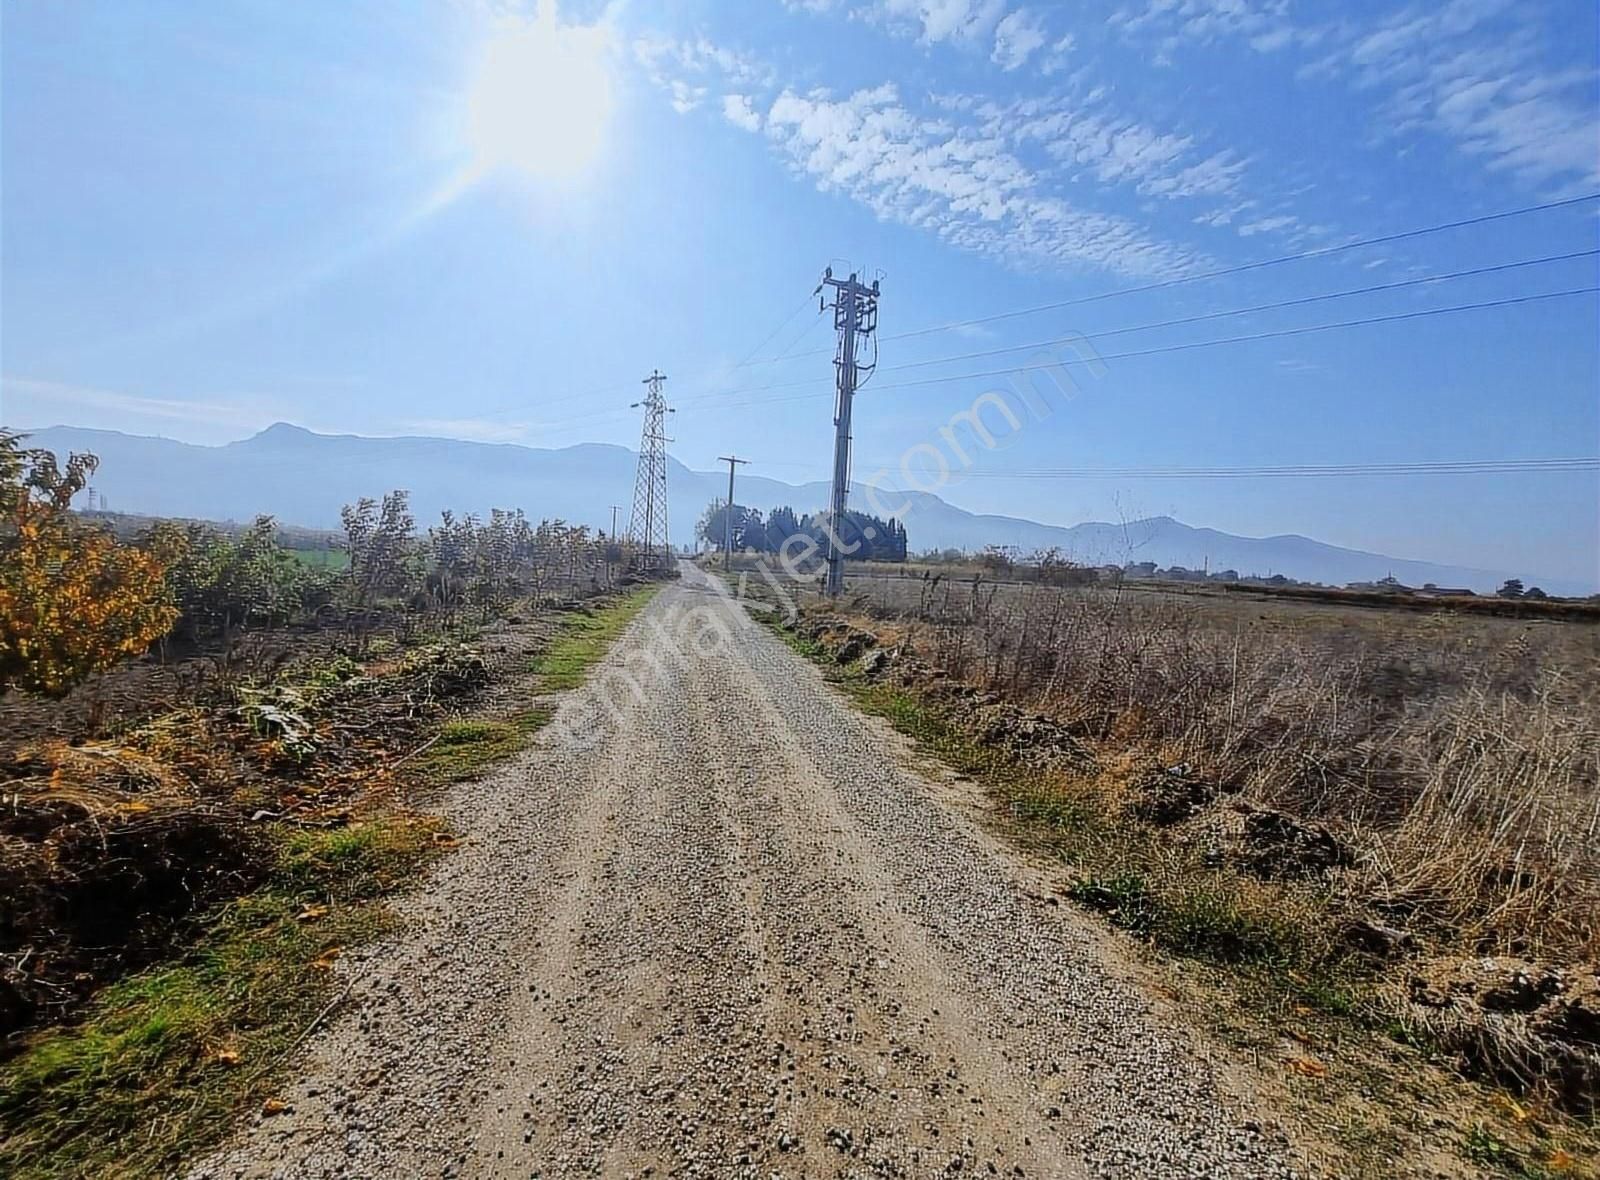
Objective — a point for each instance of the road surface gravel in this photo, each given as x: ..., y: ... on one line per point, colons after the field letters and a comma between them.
x: 716, y: 924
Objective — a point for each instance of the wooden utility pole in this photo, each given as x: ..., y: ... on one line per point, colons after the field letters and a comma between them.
x: 727, y: 514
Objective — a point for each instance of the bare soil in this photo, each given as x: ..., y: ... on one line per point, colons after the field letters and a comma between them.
x: 145, y: 799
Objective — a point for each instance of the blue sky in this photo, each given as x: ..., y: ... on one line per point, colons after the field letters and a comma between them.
x: 219, y: 216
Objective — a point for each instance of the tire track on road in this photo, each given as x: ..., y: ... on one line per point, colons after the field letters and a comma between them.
x: 734, y: 937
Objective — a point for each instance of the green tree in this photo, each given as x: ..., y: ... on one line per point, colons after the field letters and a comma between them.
x: 378, y: 538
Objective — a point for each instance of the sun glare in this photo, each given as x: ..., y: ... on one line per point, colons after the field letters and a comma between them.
x: 541, y: 99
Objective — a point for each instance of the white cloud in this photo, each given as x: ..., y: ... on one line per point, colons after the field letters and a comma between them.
x: 933, y: 21
x: 1272, y: 40
x: 1216, y: 175
x: 685, y: 97
x: 1114, y: 149
x: 1056, y: 60
x: 1204, y: 21
x: 665, y: 58
x: 42, y: 399
x: 1471, y: 71
x: 982, y: 175
x: 1267, y: 225
x: 965, y: 185
x: 737, y: 110
x: 1015, y: 38
x: 1497, y: 106
x: 1117, y: 150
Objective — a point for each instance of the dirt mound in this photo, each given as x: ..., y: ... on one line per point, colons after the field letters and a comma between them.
x: 1530, y: 1025
x: 112, y: 851
x: 1171, y: 795
x: 1028, y: 737
x: 1278, y: 845
x: 96, y: 882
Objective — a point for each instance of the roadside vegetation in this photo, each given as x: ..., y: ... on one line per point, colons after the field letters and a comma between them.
x: 166, y: 1058
x: 1357, y: 818
x: 212, y: 757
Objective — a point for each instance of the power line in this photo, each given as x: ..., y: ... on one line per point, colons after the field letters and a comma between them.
x: 747, y: 362
x: 1155, y: 351
x: 1277, y: 334
x: 1242, y: 268
x: 1131, y: 355
x: 788, y: 352
x: 1276, y: 305
x: 1304, y: 470
x: 770, y: 336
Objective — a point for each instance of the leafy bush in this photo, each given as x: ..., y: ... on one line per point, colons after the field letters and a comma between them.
x: 222, y: 584
x: 73, y: 601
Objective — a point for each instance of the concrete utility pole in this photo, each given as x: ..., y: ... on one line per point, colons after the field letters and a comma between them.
x: 727, y: 516
x: 648, y: 529
x: 615, y: 508
x: 855, y: 313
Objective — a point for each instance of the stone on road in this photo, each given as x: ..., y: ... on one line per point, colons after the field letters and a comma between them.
x: 712, y: 925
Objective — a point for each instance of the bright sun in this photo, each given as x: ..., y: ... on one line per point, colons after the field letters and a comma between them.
x: 541, y: 98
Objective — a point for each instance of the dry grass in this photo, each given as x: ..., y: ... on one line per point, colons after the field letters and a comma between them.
x: 1460, y: 757
x: 1452, y: 762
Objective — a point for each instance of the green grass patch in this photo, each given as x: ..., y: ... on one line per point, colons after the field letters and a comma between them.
x: 466, y: 747
x: 163, y: 1060
x: 321, y: 559
x: 585, y: 637
x: 1490, y: 1151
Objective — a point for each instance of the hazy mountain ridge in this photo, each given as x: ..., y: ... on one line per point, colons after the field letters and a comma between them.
x: 304, y: 478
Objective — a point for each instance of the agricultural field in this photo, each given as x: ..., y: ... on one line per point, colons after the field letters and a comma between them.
x: 1403, y: 807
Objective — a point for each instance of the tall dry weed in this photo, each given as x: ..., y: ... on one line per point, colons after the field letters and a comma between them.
x: 1459, y: 756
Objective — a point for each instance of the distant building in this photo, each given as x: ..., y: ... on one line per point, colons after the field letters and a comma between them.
x: 1389, y: 585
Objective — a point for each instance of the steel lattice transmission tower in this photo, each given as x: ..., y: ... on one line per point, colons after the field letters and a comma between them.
x: 648, y: 527
x: 855, y: 314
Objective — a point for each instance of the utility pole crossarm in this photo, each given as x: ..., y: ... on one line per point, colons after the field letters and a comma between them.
x: 727, y: 513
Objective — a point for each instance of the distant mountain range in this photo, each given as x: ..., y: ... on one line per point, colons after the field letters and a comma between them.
x: 304, y: 478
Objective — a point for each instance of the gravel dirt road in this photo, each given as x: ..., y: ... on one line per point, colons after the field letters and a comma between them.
x: 721, y: 927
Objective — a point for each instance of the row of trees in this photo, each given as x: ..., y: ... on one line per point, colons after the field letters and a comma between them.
x: 74, y: 600
x: 864, y: 537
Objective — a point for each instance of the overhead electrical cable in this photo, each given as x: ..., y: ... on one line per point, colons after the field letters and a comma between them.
x: 1303, y: 470
x: 1281, y: 333
x: 1154, y: 351
x: 1276, y: 305
x: 1261, y: 264
x: 1163, y: 284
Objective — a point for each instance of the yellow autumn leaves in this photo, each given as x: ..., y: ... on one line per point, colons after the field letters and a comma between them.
x: 73, y: 601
